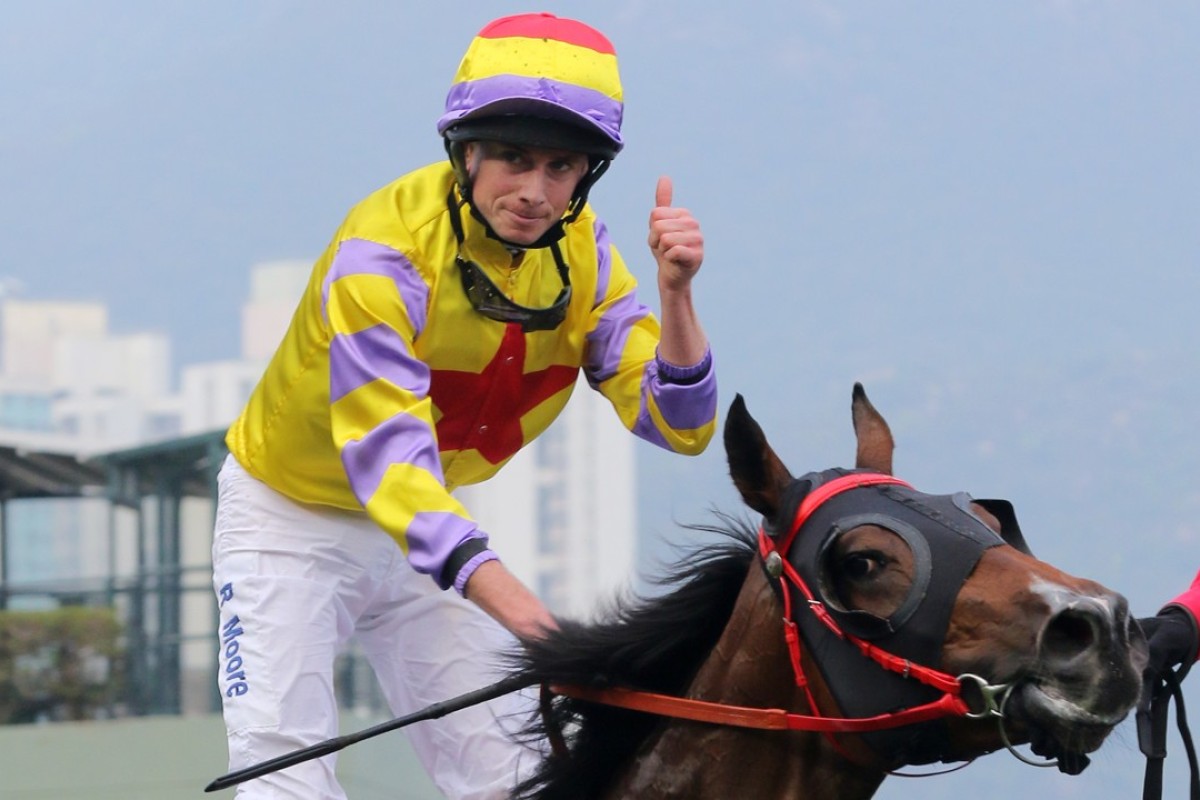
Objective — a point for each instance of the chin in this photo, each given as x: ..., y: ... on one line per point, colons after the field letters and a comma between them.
x: 522, y: 237
x: 504, y: 226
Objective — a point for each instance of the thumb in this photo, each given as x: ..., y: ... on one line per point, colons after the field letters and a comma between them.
x: 662, y: 192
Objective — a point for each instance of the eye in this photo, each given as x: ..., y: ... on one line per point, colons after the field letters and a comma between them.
x: 563, y: 167
x: 864, y: 565
x: 511, y: 156
x: 868, y: 568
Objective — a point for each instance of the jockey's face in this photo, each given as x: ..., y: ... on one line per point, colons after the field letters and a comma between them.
x: 522, y: 191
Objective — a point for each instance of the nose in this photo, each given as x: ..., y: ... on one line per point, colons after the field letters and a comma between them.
x: 1080, y: 625
x: 1090, y: 642
x: 532, y: 188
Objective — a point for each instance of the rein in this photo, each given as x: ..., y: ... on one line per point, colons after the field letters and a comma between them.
x: 775, y: 719
x: 1152, y: 735
x: 950, y: 704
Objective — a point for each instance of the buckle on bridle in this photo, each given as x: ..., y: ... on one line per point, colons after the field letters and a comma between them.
x: 988, y: 697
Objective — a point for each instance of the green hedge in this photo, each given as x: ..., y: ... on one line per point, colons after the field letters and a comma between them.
x: 61, y: 664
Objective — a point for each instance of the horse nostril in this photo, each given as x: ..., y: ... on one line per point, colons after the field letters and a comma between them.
x: 1069, y: 633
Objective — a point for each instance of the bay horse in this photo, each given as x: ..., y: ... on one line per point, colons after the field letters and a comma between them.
x: 864, y: 627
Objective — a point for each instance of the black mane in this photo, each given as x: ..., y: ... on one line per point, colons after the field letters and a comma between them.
x: 651, y: 643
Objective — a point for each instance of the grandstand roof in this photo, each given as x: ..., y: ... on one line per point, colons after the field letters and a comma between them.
x: 187, y: 463
x: 25, y: 473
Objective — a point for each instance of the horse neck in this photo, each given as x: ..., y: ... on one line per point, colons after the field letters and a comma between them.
x: 749, y: 666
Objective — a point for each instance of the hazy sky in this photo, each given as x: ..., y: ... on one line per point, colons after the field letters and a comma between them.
x: 966, y: 205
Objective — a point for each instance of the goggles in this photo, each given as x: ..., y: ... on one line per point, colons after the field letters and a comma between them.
x: 492, y: 303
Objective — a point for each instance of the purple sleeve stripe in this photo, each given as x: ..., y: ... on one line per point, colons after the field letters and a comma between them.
x: 514, y: 91
x: 362, y: 257
x: 684, y: 407
x: 401, y: 439
x: 603, y: 261
x: 606, y: 342
x: 432, y: 536
x: 645, y: 429
x: 356, y: 359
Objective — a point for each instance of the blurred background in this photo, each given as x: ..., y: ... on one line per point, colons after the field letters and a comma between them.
x: 984, y: 212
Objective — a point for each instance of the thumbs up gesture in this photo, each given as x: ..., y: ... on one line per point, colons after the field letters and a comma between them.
x: 675, y: 240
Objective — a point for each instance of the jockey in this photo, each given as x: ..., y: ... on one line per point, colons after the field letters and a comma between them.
x: 443, y: 329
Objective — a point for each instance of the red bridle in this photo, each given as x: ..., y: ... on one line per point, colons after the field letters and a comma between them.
x: 949, y: 704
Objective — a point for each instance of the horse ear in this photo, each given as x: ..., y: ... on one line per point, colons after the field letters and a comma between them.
x: 757, y: 472
x: 875, y: 442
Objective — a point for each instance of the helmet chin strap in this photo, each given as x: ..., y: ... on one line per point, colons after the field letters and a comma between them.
x: 462, y: 175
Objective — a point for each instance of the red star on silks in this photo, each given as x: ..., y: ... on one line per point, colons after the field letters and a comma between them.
x: 483, y: 410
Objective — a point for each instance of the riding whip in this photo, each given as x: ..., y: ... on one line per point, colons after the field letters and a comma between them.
x: 435, y: 711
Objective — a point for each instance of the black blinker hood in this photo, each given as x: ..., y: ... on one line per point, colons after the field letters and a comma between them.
x: 947, y: 540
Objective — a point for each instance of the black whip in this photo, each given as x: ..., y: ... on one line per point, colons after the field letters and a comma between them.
x: 498, y: 689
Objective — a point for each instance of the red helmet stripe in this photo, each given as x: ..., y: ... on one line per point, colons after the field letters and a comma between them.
x: 548, y: 26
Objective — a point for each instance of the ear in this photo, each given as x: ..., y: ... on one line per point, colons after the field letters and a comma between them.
x: 757, y: 472
x: 875, y: 443
x: 1000, y: 516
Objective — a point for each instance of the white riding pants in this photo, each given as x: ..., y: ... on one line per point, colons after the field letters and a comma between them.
x: 294, y: 583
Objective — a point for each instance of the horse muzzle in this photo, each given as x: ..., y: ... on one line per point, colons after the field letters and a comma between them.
x: 1086, y: 676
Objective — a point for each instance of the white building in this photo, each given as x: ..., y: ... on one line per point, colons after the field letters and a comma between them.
x: 66, y: 378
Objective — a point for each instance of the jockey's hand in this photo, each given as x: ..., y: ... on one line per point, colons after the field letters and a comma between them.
x: 1172, y: 636
x: 675, y: 240
x: 1173, y: 639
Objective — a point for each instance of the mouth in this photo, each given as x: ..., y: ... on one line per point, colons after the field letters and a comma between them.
x: 524, y: 220
x: 518, y: 227
x: 1057, y: 726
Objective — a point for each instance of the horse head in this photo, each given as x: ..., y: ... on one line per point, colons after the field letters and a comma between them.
x: 942, y: 585
x: 915, y: 628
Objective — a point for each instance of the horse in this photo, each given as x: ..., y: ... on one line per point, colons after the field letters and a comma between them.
x: 924, y: 619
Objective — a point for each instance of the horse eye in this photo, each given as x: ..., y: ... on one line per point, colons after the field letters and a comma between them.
x: 863, y: 566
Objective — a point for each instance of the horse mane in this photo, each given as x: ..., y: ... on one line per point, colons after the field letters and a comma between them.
x: 652, y: 643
